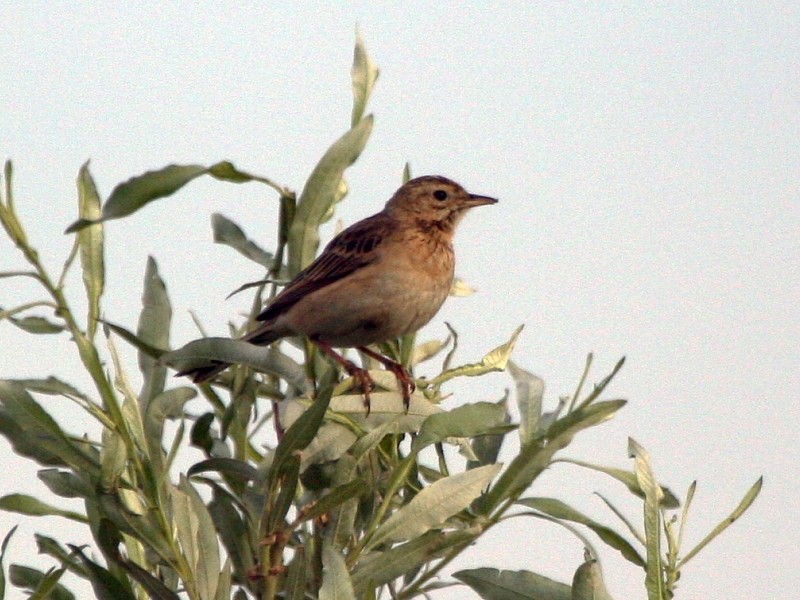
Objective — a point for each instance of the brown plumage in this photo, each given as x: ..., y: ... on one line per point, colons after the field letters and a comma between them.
x: 379, y: 279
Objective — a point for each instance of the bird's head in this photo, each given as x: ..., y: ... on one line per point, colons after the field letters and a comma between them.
x: 434, y: 201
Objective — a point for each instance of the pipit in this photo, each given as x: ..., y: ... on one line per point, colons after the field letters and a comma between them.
x: 377, y: 280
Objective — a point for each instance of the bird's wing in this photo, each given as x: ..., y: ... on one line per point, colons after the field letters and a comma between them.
x: 351, y: 250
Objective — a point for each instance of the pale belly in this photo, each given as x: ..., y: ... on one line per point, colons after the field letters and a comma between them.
x: 371, y: 307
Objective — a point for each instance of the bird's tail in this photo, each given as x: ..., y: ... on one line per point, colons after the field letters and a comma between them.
x: 262, y: 336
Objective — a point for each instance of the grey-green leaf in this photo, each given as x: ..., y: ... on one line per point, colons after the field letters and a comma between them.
x: 28, y: 505
x: 469, y: 420
x: 560, y: 510
x: 40, y: 428
x: 652, y: 518
x: 530, y: 390
x: 431, y: 507
x: 90, y: 240
x: 154, y: 325
x: 336, y: 584
x: 587, y: 584
x: 492, y: 584
x: 495, y: 360
x: 364, y: 75
x: 320, y: 193
x: 229, y: 233
x: 748, y: 499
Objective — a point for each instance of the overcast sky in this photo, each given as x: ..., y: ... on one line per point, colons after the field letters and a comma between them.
x: 646, y: 159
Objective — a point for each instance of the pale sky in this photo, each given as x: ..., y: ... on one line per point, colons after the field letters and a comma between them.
x: 646, y: 159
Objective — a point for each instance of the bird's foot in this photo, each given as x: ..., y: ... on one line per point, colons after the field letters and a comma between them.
x: 360, y: 375
x: 407, y: 385
x: 364, y: 381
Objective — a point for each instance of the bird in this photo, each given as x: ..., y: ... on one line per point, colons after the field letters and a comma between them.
x: 380, y: 278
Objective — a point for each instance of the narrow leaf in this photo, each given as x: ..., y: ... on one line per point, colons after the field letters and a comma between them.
x: 336, y: 584
x: 652, y: 519
x: 748, y: 499
x: 90, y: 241
x: 153, y: 329
x: 364, y: 74
x: 627, y: 478
x: 534, y: 458
x: 131, y: 195
x: 36, y: 325
x: 378, y: 568
x: 431, y: 507
x: 36, y: 423
x: 320, y: 192
x: 560, y: 510
x: 530, y: 390
x: 496, y: 360
x: 587, y: 584
x: 469, y: 420
x: 492, y: 584
x: 215, y: 349
x: 230, y: 234
x: 34, y: 580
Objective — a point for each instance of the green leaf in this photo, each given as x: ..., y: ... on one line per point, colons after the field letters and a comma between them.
x: 496, y: 360
x: 36, y: 581
x: 587, y: 584
x: 652, y: 519
x: 36, y: 325
x: 469, y: 420
x: 28, y: 505
x: 226, y: 171
x: 131, y: 195
x: 190, y: 519
x: 320, y: 192
x: 167, y: 405
x: 198, y: 539
x: 378, y: 568
x: 530, y: 390
x: 493, y: 584
x: 230, y: 234
x: 336, y: 584
x: 295, y: 588
x: 25, y: 444
x: 113, y: 459
x: 228, y: 467
x: 105, y: 585
x: 364, y: 74
x: 560, y: 510
x: 748, y: 499
x: 66, y: 484
x: 216, y: 349
x: 281, y: 494
x: 487, y: 447
x: 627, y: 478
x: 39, y: 428
x: 431, y: 507
x: 154, y: 324
x: 233, y: 530
x: 90, y: 241
x: 534, y: 458
x: 3, y: 548
x: 134, y: 341
x: 334, y: 498
x: 52, y: 386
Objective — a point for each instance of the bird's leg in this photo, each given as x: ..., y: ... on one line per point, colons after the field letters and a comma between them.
x: 357, y: 373
x: 403, y: 376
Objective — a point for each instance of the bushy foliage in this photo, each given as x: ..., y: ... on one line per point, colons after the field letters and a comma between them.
x: 331, y: 504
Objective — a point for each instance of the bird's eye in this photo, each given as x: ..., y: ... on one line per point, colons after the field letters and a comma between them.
x: 440, y: 195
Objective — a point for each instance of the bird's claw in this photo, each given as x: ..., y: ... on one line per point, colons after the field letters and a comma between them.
x: 362, y: 377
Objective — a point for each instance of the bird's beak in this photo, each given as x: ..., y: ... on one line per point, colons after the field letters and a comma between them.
x: 475, y: 200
